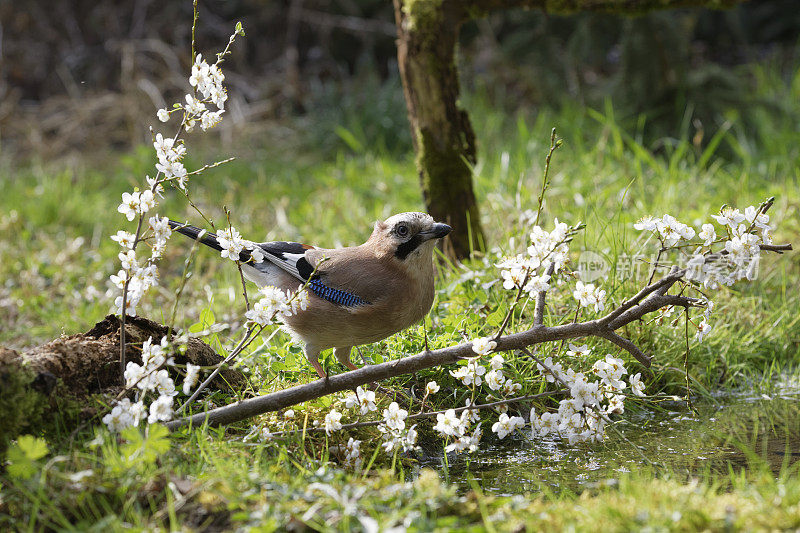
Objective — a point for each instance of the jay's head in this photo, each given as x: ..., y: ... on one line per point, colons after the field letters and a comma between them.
x: 408, y: 236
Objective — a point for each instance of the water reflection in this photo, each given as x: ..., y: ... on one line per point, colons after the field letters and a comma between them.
x: 731, y: 432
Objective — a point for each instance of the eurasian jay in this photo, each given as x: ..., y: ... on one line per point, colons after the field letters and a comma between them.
x: 357, y: 295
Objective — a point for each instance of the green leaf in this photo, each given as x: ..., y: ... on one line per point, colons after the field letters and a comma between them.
x: 158, y: 438
x: 207, y: 317
x: 145, y: 449
x: 291, y: 360
x: 22, y: 456
x: 33, y: 447
x: 19, y: 466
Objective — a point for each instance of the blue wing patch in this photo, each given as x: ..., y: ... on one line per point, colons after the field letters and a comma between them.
x: 334, y: 295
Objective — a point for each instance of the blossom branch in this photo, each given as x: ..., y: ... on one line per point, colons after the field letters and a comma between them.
x: 430, y: 414
x: 648, y: 300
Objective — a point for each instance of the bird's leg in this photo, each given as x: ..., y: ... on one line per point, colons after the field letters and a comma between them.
x: 342, y: 354
x: 363, y: 357
x: 312, y: 354
x: 425, y: 333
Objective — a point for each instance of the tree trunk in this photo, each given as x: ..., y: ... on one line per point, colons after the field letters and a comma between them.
x: 443, y: 137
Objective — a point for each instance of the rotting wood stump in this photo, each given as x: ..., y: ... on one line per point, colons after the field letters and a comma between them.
x: 38, y: 383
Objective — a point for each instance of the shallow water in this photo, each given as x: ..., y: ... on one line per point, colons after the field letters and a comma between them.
x: 732, y: 431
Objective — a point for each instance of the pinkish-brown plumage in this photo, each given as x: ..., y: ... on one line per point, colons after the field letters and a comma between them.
x: 391, y: 274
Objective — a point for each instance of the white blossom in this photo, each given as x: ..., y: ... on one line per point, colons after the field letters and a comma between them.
x: 130, y: 305
x: 192, y: 373
x: 394, y: 417
x: 147, y: 201
x: 585, y: 393
x: 448, y: 424
x: 589, y: 295
x: 551, y: 370
x: 273, y: 304
x: 708, y: 234
x: 495, y: 379
x: 124, y: 238
x: 703, y: 329
x: 128, y: 260
x: 578, y: 351
x: 432, y: 387
x: 483, y: 345
x: 497, y: 362
x: 507, y: 425
x: 610, y: 371
x: 353, y: 453
x: 616, y: 404
x: 130, y: 205
x: 124, y: 414
x: 637, y: 386
x: 363, y: 399
x: 193, y: 106
x: 546, y: 424
x: 161, y: 409
x: 133, y: 374
x: 646, y: 223
x: 231, y: 242
x: 299, y: 300
x: 209, y: 119
x: 333, y: 421
x: 470, y: 373
x: 509, y: 387
x: 729, y: 217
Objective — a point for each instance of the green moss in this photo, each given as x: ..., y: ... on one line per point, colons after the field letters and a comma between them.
x: 423, y: 16
x: 447, y: 184
x: 20, y: 403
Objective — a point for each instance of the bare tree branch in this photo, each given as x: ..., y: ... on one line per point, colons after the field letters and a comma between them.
x: 628, y: 346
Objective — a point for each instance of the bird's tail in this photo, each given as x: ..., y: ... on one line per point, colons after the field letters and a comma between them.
x: 208, y: 238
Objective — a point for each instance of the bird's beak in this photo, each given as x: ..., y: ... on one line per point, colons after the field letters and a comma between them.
x: 437, y: 231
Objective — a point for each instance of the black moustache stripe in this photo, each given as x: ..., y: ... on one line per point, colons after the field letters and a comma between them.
x: 409, y: 246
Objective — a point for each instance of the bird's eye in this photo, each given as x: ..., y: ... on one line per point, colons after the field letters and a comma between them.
x: 402, y: 230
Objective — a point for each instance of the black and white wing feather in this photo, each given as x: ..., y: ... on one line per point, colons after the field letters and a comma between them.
x: 288, y: 256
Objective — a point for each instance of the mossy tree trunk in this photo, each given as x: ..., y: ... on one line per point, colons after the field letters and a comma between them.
x: 442, y: 133
x: 443, y: 138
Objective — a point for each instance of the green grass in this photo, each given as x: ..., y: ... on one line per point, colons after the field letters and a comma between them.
x: 202, y: 484
x: 55, y: 258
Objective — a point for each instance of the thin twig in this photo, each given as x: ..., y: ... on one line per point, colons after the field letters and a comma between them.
x: 195, y: 16
x: 538, y: 313
x: 124, y: 305
x: 239, y: 266
x: 686, y: 361
x: 553, y: 145
x: 236, y: 351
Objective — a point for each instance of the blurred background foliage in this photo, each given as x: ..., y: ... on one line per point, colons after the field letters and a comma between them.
x: 76, y: 75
